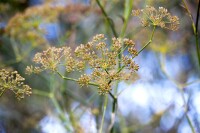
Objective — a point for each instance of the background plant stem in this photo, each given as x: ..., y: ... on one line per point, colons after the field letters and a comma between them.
x: 104, y: 112
x: 180, y: 87
x: 110, y: 21
x: 195, y: 27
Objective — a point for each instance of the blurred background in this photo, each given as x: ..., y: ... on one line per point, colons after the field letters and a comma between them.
x: 161, y: 99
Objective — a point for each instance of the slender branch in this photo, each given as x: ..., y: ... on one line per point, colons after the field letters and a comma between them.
x: 111, y: 126
x: 197, y: 17
x: 104, y: 112
x: 122, y: 50
x: 127, y: 13
x: 190, y: 123
x: 120, y: 69
x: 72, y: 79
x: 182, y: 94
x: 187, y: 9
x: 192, y: 82
x: 66, y: 78
x: 61, y: 113
x: 113, y: 97
x: 195, y: 27
x: 110, y: 22
x: 196, y: 33
x: 150, y: 40
x: 41, y: 93
x: 55, y: 103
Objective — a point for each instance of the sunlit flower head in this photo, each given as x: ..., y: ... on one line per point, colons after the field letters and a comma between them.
x: 157, y: 17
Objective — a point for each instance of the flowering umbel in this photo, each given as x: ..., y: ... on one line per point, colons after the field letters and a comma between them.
x: 157, y: 17
x: 95, y: 55
x: 14, y: 82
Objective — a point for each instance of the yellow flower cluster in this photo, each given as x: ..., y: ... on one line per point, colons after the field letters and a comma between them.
x: 14, y: 82
x: 157, y: 17
x: 25, y: 26
x: 95, y: 55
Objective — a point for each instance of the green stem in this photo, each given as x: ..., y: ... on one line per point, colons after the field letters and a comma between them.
x: 195, y: 28
x: 113, y: 97
x: 150, y: 40
x: 72, y: 79
x: 127, y: 14
x: 186, y: 110
x: 120, y: 69
x: 104, y: 112
x: 122, y: 50
x: 196, y: 34
x: 110, y: 22
x: 41, y: 93
x: 190, y: 123
x: 55, y: 103
x: 180, y: 88
x: 114, y: 104
x: 66, y: 78
x: 60, y: 112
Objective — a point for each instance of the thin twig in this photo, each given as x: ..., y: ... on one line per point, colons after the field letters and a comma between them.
x: 104, y: 112
x: 196, y: 33
x: 150, y: 40
x: 195, y: 27
x: 41, y: 93
x: 61, y: 113
x: 72, y: 79
x: 127, y: 13
x: 179, y: 86
x: 110, y: 21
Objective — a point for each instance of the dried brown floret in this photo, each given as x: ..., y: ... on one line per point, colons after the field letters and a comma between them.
x: 98, y: 37
x: 133, y: 51
x: 14, y: 82
x: 104, y: 88
x: 31, y: 69
x: 129, y: 42
x: 117, y: 44
x: 84, y: 80
x: 136, y: 12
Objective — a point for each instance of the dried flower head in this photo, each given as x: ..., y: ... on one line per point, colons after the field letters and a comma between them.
x: 26, y: 26
x: 84, y: 80
x: 51, y: 58
x: 101, y: 58
x: 161, y: 17
x: 14, y: 82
